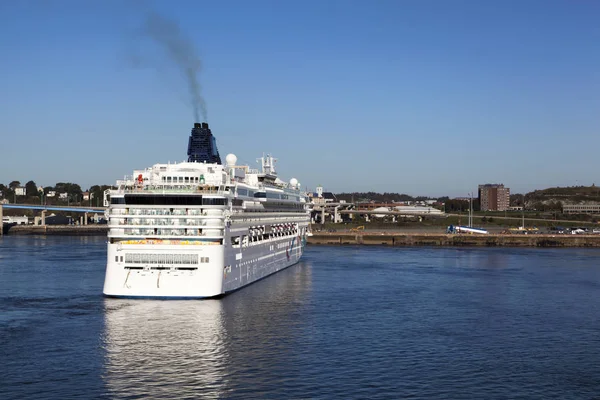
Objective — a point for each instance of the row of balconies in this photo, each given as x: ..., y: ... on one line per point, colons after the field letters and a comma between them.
x: 258, y: 221
x: 165, y: 212
x: 131, y: 186
x: 162, y: 222
x: 167, y: 232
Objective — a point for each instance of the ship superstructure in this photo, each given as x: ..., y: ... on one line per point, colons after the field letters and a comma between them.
x: 199, y: 229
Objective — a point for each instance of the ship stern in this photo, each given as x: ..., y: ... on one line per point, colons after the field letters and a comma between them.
x: 169, y: 272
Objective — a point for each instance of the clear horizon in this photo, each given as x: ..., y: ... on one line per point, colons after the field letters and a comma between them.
x: 423, y: 98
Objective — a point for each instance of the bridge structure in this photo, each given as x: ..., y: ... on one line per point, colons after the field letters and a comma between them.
x: 335, y: 210
x: 44, y: 209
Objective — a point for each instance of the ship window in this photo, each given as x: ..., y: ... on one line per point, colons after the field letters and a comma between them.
x: 121, y: 258
x: 116, y: 258
x: 162, y: 258
x: 181, y: 179
x: 165, y: 200
x: 214, y: 202
x: 169, y: 179
x: 243, y: 192
x: 260, y: 195
x: 117, y: 200
x: 187, y: 179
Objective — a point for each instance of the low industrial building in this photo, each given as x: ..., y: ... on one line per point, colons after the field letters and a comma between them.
x: 15, y: 220
x: 581, y: 208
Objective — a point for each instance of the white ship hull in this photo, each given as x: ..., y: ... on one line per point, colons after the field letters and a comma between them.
x: 196, y: 230
x: 229, y: 269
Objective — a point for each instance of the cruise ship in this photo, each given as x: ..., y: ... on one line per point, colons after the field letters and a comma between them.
x: 201, y: 229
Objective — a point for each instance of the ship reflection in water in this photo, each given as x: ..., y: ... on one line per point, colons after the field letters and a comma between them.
x: 187, y: 349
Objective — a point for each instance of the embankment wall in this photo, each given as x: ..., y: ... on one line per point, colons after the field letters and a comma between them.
x: 428, y: 239
x: 371, y: 238
x: 58, y: 230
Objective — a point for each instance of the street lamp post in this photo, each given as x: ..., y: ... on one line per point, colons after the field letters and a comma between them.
x: 471, y: 210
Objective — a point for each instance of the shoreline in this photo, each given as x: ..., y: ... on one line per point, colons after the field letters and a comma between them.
x: 78, y: 230
x: 371, y: 238
x: 455, y: 240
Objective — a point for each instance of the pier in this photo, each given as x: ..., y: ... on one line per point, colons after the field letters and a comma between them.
x: 454, y: 240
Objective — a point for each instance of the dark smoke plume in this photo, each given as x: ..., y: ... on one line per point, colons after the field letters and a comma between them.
x: 180, y: 50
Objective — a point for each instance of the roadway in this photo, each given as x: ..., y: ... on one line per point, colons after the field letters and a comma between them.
x: 42, y: 207
x: 443, y: 215
x: 568, y: 221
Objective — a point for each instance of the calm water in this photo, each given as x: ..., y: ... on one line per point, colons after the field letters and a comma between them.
x: 347, y: 322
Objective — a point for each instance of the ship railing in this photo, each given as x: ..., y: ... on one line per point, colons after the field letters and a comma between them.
x: 143, y: 212
x: 200, y: 223
x: 288, y: 189
x: 162, y: 189
x: 167, y: 234
x: 160, y: 224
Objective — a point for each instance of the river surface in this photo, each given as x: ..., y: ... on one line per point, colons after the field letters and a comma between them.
x: 346, y: 322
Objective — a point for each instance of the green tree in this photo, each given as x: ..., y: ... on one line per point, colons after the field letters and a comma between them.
x: 516, y: 199
x: 9, y: 194
x: 73, y: 189
x: 14, y: 184
x: 31, y: 189
x: 97, y: 194
x: 453, y: 205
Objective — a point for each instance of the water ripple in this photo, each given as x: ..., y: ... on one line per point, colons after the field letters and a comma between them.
x: 347, y: 322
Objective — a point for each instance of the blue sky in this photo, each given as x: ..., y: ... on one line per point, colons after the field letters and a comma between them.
x: 421, y: 97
